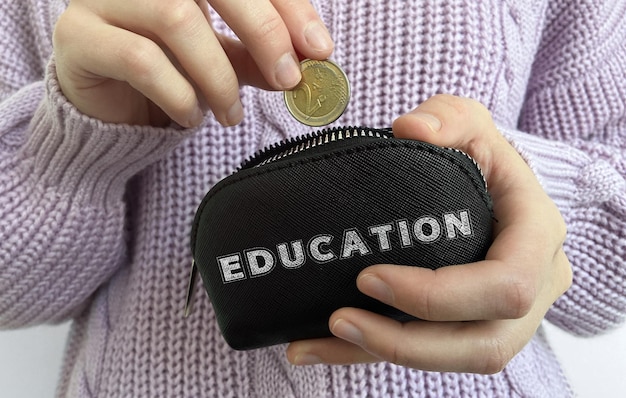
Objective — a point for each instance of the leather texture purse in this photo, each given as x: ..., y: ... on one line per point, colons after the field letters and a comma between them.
x: 280, y: 242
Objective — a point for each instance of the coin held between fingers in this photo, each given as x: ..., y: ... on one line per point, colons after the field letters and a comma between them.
x: 322, y: 95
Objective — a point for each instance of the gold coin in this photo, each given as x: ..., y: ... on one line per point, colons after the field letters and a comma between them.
x: 321, y: 96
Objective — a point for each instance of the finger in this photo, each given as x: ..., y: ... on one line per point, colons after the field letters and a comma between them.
x: 245, y: 66
x: 446, y: 120
x: 262, y: 30
x: 528, y: 235
x: 476, y: 347
x: 331, y: 350
x: 466, y: 124
x: 309, y: 35
x: 182, y: 27
x: 126, y: 57
x: 204, y: 7
x: 523, y: 260
x: 308, y: 32
x: 248, y: 73
x: 478, y: 291
x: 452, y: 121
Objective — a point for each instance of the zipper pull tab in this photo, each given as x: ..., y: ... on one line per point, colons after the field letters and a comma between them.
x: 190, y: 289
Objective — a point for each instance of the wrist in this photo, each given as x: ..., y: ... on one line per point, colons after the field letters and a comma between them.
x: 85, y: 157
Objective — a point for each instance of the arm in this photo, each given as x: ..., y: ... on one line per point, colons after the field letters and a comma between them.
x: 46, y: 272
x: 575, y: 114
x: 71, y: 140
x: 574, y: 141
x: 480, y: 315
x: 62, y: 209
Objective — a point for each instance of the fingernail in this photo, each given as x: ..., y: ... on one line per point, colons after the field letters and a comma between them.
x: 347, y: 331
x: 430, y: 120
x: 287, y: 71
x: 196, y: 117
x: 235, y: 114
x: 317, y: 37
x: 307, y: 359
x: 374, y: 287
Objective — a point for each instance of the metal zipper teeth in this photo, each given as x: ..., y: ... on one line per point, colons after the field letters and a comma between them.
x: 480, y: 170
x: 325, y: 138
x: 340, y: 134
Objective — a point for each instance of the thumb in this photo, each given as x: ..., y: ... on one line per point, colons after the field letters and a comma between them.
x: 456, y: 122
x: 446, y: 120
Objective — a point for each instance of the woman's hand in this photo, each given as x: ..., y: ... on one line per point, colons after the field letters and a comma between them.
x: 477, y: 316
x: 147, y: 62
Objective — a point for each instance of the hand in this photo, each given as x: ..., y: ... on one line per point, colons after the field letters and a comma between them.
x: 480, y: 315
x: 147, y: 62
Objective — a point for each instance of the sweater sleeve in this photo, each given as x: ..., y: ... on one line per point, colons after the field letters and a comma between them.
x: 574, y: 123
x: 62, y: 210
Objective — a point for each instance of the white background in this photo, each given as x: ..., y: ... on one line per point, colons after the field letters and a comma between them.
x: 30, y: 360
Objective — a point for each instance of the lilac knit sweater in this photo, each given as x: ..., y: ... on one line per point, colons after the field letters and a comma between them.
x: 95, y: 217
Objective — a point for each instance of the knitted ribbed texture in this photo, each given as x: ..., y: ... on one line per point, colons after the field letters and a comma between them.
x: 95, y: 218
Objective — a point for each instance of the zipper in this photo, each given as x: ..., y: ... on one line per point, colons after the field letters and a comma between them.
x: 284, y: 149
x: 191, y: 287
x: 300, y: 144
x: 296, y: 145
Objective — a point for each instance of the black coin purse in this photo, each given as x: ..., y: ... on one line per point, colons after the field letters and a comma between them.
x: 280, y: 242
